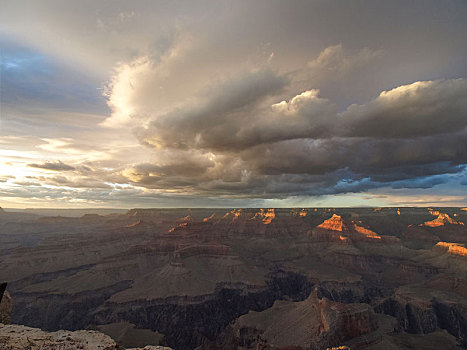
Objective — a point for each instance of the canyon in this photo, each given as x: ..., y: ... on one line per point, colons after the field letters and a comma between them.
x: 249, y: 278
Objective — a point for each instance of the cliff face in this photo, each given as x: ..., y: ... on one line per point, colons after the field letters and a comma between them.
x: 423, y: 318
x: 310, y: 324
x: 453, y: 318
x: 189, y: 322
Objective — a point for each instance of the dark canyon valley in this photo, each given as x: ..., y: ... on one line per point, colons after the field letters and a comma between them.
x: 362, y: 278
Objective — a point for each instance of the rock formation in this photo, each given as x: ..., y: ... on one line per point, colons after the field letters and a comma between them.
x: 452, y: 248
x: 309, y: 324
x: 337, y: 229
x: 442, y: 220
x: 16, y: 337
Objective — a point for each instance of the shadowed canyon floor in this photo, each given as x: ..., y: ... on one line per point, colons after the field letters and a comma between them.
x: 389, y: 278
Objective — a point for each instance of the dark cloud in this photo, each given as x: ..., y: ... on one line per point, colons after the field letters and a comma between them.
x: 184, y: 171
x: 320, y: 166
x: 303, y: 146
x: 219, y: 116
x: 424, y: 182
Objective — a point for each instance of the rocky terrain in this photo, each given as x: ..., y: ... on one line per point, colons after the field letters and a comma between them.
x: 16, y: 337
x: 389, y: 278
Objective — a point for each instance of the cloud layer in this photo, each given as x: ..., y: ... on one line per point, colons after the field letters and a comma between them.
x: 272, y: 103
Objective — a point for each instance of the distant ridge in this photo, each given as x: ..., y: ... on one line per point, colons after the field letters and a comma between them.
x: 66, y: 212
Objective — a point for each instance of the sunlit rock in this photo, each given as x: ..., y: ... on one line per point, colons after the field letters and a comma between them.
x: 442, y: 220
x: 452, y: 248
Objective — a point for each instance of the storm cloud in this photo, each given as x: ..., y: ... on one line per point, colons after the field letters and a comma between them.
x: 305, y: 146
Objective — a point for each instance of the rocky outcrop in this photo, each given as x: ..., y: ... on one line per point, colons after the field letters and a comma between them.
x: 343, y: 322
x: 337, y: 229
x: 442, y: 220
x: 335, y: 223
x: 451, y: 248
x: 266, y: 216
x: 310, y: 324
x: 444, y: 227
x: 17, y: 337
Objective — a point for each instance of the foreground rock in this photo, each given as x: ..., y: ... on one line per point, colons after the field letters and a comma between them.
x: 5, y: 308
x: 151, y: 347
x: 16, y: 337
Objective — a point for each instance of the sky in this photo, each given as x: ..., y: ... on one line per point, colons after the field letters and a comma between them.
x: 123, y: 104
